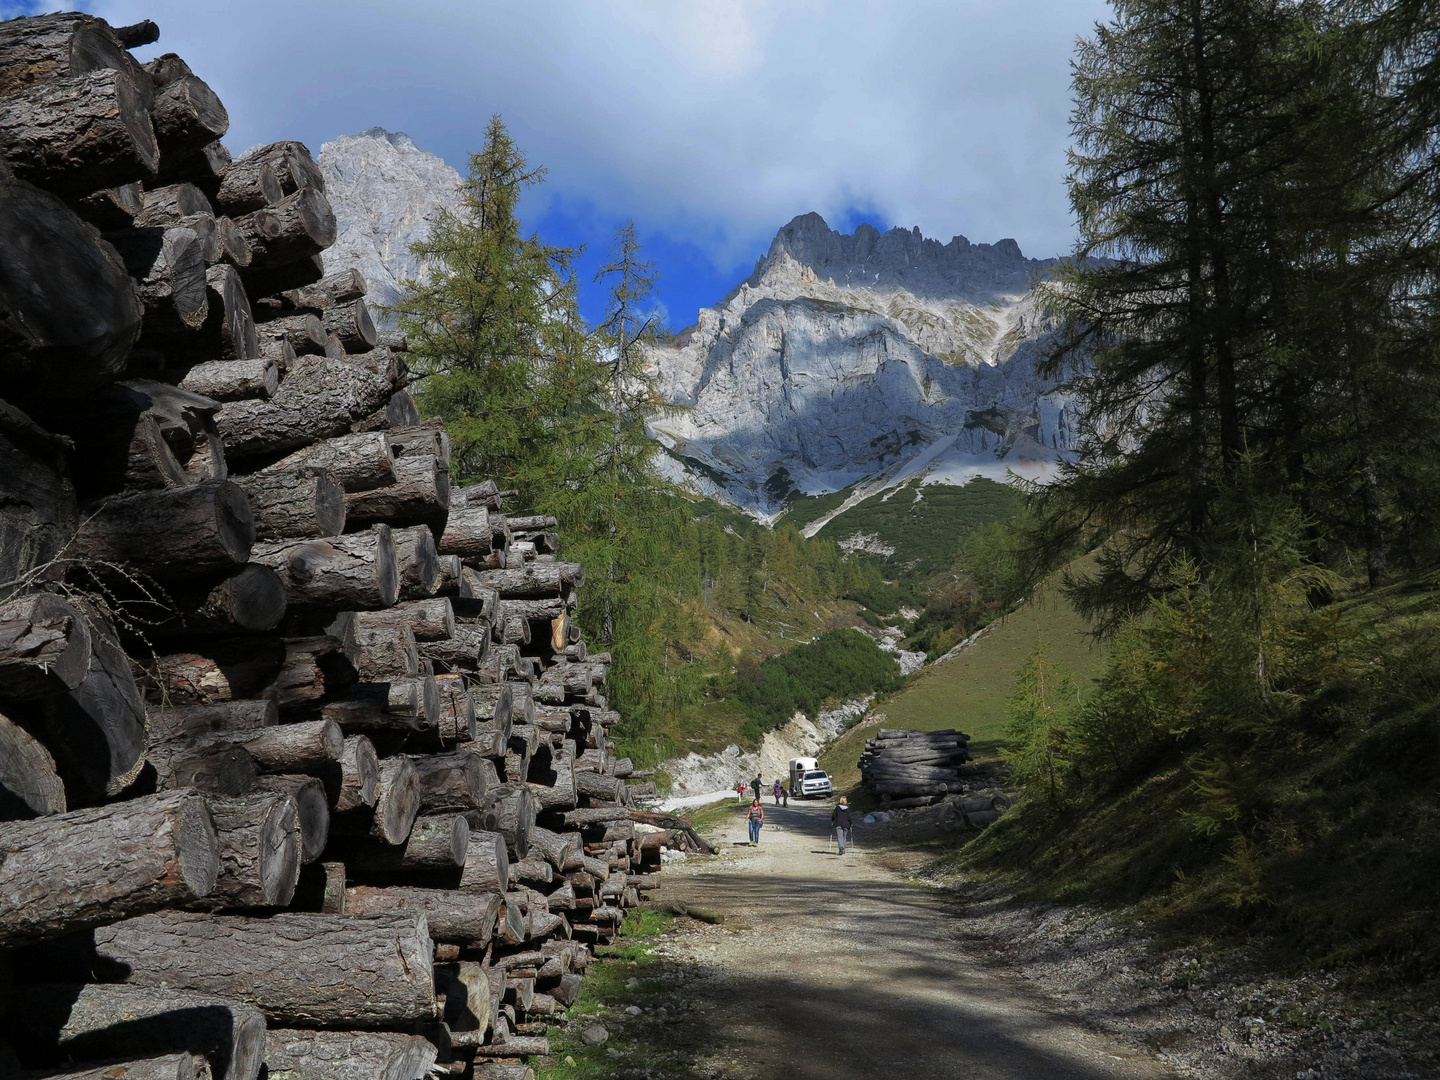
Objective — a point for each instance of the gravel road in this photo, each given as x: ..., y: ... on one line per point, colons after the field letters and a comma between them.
x: 829, y: 967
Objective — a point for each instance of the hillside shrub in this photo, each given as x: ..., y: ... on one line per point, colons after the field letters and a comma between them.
x: 839, y: 664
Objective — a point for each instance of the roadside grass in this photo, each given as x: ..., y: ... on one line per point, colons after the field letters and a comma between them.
x: 708, y: 727
x: 605, y: 993
x: 718, y: 815
x: 971, y: 691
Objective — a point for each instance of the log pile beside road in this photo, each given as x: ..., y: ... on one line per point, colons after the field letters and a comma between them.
x: 902, y: 764
x: 304, y: 765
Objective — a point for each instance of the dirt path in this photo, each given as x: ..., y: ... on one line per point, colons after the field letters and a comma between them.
x: 827, y: 968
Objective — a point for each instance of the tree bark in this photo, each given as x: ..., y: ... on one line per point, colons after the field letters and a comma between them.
x: 454, y: 782
x: 351, y: 323
x: 395, y: 705
x: 427, y: 438
x: 168, y: 204
x: 224, y: 670
x: 464, y: 650
x: 347, y: 1055
x: 428, y: 620
x: 111, y: 208
x: 533, y: 580
x: 168, y: 265
x: 76, y: 870
x: 502, y: 1070
x: 29, y: 785
x: 437, y: 842
x: 320, y: 970
x: 357, y: 462
x: 46, y: 47
x: 487, y: 862
x: 175, y: 722
x: 358, y: 779
x: 259, y: 837
x: 379, y: 361
x: 397, y: 802
x: 386, y: 653
x: 312, y: 808
x: 248, y: 184
x: 305, y: 332
x: 317, y: 398
x: 69, y: 311
x: 205, y: 168
x: 187, y: 116
x: 58, y: 1021
x: 233, y: 380
x: 216, y: 769
x: 515, y: 817
x: 267, y: 280
x: 357, y: 571
x: 44, y: 647
x: 234, y: 248
x: 304, y: 504
x: 420, y: 494
x: 457, y: 711
x: 284, y: 748
x: 400, y: 412
x: 169, y: 1067
x: 471, y: 532
x: 173, y: 534
x: 80, y: 133
x: 298, y: 226
x: 461, y: 916
x: 330, y: 291
x: 250, y: 601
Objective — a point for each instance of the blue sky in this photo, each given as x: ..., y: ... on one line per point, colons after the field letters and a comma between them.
x: 711, y: 123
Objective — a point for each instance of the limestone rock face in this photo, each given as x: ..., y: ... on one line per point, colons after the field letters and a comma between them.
x: 843, y: 357
x: 384, y: 190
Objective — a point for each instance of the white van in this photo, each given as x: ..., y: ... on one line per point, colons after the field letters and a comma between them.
x: 808, y: 780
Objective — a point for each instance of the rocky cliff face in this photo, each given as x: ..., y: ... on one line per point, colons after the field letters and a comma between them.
x: 843, y: 358
x: 384, y: 190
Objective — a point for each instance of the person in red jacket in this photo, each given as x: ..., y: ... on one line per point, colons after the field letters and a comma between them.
x: 756, y: 817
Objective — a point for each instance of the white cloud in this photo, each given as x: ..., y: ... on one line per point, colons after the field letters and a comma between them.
x: 713, y: 119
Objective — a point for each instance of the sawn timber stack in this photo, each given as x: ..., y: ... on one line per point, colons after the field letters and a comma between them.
x: 291, y: 733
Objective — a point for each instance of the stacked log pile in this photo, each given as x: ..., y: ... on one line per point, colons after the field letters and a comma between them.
x: 304, y: 765
x: 899, y: 764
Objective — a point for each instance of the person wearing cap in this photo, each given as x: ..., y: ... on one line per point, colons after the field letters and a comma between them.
x: 756, y: 818
x: 840, y: 819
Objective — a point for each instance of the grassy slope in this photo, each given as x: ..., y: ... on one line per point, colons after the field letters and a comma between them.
x: 970, y: 691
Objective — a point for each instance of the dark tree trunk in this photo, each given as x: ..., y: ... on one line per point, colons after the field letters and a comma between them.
x: 260, y: 848
x: 419, y: 495
x: 397, y: 802
x: 351, y: 323
x: 73, y: 871
x: 250, y: 601
x: 471, y: 532
x: 80, y: 133
x: 44, y: 647
x: 176, y: 722
x: 167, y: 205
x: 233, y: 380
x: 438, y: 842
x: 456, y: 782
x: 295, y: 505
x: 247, y: 185
x: 487, y: 863
x: 462, y: 916
x: 187, y: 117
x: 357, y: 571
x: 317, y: 398
x: 428, y: 620
x: 386, y: 653
x: 347, y: 1055
x: 45, y: 47
x: 304, y: 331
x: 216, y: 769
x: 323, y: 970
x: 173, y: 534
x: 297, y: 227
x: 169, y: 1067
x: 357, y: 462
x: 205, y: 168
x: 55, y: 1022
x: 358, y: 779
x: 330, y: 291
x: 111, y: 208
x: 69, y: 311
x: 29, y: 785
x: 534, y: 579
x: 168, y: 265
x: 416, y: 561
x: 267, y: 280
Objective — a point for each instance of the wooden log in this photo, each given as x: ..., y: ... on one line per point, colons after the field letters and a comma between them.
x: 44, y: 647
x: 46, y: 47
x: 355, y: 571
x: 395, y: 705
x: 502, y: 1070
x: 420, y: 494
x: 234, y: 248
x: 330, y: 291
x: 464, y: 651
x: 216, y: 769
x: 533, y: 869
x: 30, y: 786
x: 312, y: 808
x: 205, y: 168
x: 229, y: 329
x: 187, y: 117
x: 233, y: 380
x: 515, y: 817
x: 80, y: 133
x: 563, y: 851
x: 471, y: 532
x: 318, y: 970
x: 351, y: 323
x: 380, y: 362
x: 284, y: 748
x: 172, y: 534
x: 534, y: 579
x: 401, y: 411
x: 385, y: 653
x: 268, y: 280
x: 223, y: 670
x: 304, y: 504
x: 415, y: 559
x: 427, y: 620
x: 168, y: 1067
x: 174, y: 722
x: 168, y: 265
x: 427, y: 438
x: 357, y: 462
x: 57, y: 341
x: 303, y: 330
x: 356, y: 783
x: 397, y: 802
x: 248, y: 184
x: 260, y: 844
x: 436, y: 842
x: 54, y: 1022
x: 494, y: 705
x: 457, y: 710
x: 487, y: 862
x: 111, y: 208
x: 511, y: 926
x: 72, y: 871
x: 317, y: 399
x: 298, y: 226
x: 168, y: 204
x: 347, y: 1055
x: 454, y: 782
x: 515, y: 1046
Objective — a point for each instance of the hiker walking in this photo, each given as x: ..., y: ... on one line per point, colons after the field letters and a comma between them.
x: 778, y: 791
x: 840, y: 819
x: 740, y: 792
x: 756, y: 817
x: 755, y: 785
